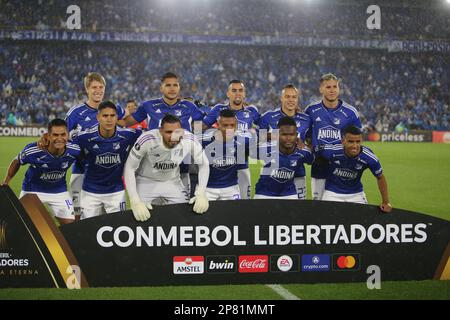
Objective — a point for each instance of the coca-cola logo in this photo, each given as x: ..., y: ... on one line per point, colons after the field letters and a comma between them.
x: 253, y: 264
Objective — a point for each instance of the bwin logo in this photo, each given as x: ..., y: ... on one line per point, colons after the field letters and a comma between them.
x: 226, y: 265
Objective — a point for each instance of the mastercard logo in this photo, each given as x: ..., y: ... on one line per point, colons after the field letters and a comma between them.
x: 346, y: 262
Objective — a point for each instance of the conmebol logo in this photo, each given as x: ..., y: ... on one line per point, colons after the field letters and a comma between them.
x: 253, y: 263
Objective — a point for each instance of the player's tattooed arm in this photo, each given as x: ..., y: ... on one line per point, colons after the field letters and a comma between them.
x: 127, y: 121
x: 385, y: 206
x: 12, y: 170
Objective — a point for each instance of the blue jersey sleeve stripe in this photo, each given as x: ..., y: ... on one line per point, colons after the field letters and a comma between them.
x: 370, y: 155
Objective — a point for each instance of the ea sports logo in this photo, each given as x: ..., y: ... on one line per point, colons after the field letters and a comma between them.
x: 347, y: 262
x: 284, y: 263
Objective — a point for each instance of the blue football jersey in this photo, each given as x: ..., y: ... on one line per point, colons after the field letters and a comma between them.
x: 105, y: 158
x: 269, y: 121
x: 344, y: 173
x: 47, y: 173
x: 246, y: 117
x: 225, y: 158
x: 279, y: 171
x: 80, y: 118
x: 326, y: 127
x: 155, y: 110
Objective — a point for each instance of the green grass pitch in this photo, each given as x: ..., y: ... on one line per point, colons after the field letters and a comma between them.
x: 418, y: 176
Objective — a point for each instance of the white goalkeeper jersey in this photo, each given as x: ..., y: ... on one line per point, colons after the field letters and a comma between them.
x: 151, y: 159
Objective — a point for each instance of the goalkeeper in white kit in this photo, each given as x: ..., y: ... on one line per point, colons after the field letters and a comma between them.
x: 152, y: 168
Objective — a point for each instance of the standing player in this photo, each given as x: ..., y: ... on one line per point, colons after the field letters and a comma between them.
x: 347, y: 164
x: 328, y: 118
x: 80, y: 118
x: 283, y: 174
x: 170, y: 103
x: 46, y: 175
x: 226, y: 150
x: 289, y: 107
x: 247, y: 117
x: 105, y: 149
x: 151, y: 170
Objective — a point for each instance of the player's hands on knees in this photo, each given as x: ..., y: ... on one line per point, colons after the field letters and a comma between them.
x: 141, y: 210
x: 200, y: 201
x: 43, y: 142
x: 386, y: 207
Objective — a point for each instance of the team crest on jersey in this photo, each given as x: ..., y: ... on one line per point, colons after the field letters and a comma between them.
x: 246, y: 115
x: 116, y: 145
x: 65, y: 165
x: 137, y: 146
x: 358, y: 166
x: 293, y: 163
x: 178, y: 113
x: 336, y: 121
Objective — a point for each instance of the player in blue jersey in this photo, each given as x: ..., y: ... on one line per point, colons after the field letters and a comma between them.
x: 82, y: 117
x: 46, y: 175
x: 170, y: 103
x: 226, y: 150
x: 247, y: 117
x: 347, y: 162
x: 105, y: 149
x: 79, y: 118
x: 328, y: 118
x: 289, y: 107
x: 283, y: 174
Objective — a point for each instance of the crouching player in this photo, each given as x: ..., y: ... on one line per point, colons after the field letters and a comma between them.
x: 152, y: 168
x: 347, y: 163
x: 227, y: 151
x: 283, y: 174
x: 46, y: 175
x: 105, y: 148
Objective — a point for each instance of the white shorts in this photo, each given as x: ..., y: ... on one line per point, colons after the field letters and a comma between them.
x: 261, y: 196
x: 95, y: 204
x: 317, y: 188
x: 300, y: 185
x: 359, y: 197
x: 161, y: 192
x: 228, y: 193
x: 59, y: 203
x: 75, y: 186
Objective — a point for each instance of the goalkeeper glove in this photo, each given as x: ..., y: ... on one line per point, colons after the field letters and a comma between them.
x: 200, y: 201
x: 141, y: 210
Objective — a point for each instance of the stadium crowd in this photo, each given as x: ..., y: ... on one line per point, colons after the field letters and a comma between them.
x: 39, y: 82
x: 416, y: 20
